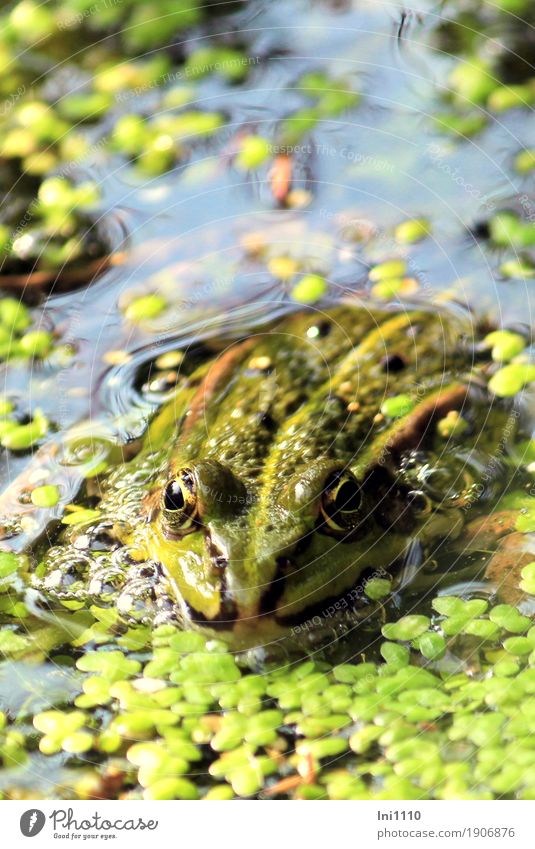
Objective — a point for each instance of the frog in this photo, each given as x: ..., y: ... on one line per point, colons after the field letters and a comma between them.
x: 286, y: 470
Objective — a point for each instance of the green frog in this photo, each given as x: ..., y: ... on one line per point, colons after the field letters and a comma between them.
x: 286, y: 470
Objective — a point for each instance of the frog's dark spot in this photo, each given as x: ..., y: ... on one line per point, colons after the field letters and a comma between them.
x: 267, y: 421
x: 273, y: 594
x: 393, y: 363
x: 303, y: 544
x: 293, y: 405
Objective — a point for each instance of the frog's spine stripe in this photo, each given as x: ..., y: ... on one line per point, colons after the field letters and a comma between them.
x: 215, y: 379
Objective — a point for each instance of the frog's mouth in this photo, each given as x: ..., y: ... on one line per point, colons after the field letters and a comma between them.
x: 227, y: 615
x: 298, y: 590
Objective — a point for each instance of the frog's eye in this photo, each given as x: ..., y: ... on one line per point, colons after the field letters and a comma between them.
x: 340, y: 501
x: 179, y: 503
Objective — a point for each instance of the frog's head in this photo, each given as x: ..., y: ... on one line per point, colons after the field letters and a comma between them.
x: 247, y: 555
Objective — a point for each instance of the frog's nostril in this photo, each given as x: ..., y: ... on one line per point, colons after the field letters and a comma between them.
x: 218, y: 558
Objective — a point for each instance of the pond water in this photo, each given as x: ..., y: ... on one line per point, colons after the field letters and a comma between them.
x: 254, y: 145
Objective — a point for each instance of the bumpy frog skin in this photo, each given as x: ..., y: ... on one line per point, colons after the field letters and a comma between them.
x: 271, y: 484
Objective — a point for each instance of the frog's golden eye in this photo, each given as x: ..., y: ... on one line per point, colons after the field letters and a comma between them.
x: 340, y: 502
x: 179, y: 503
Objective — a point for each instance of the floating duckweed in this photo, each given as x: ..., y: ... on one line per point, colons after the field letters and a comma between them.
x: 507, y: 229
x: 45, y: 496
x: 253, y: 152
x: 518, y: 645
x: 283, y: 267
x: 505, y: 344
x: 452, y: 424
x: 130, y: 135
x: 220, y: 793
x: 407, y: 628
x: 145, y: 308
x: 57, y: 194
x: 387, y: 289
x: 391, y: 269
x: 528, y: 578
x: 363, y: 739
x: 171, y: 788
x: 432, y: 645
x: 96, y: 692
x: 472, y: 81
x: 77, y: 742
x: 32, y: 22
x: 508, y: 618
x: 310, y: 289
x: 482, y: 628
x: 9, y: 564
x: 412, y: 230
x: 326, y: 748
x: 377, y: 588
x: 511, y: 379
x: 461, y: 125
x: 10, y: 643
x: 392, y: 287
x: 332, y: 96
x: 522, y: 268
x: 111, y: 665
x: 62, y: 731
x: 525, y: 161
x: 14, y: 315
x: 525, y: 522
x: 511, y: 96
x: 394, y: 654
x: 77, y: 515
x: 391, y: 703
x: 24, y: 436
x: 397, y: 406
x: 85, y: 107
x: 454, y: 606
x: 226, y: 61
